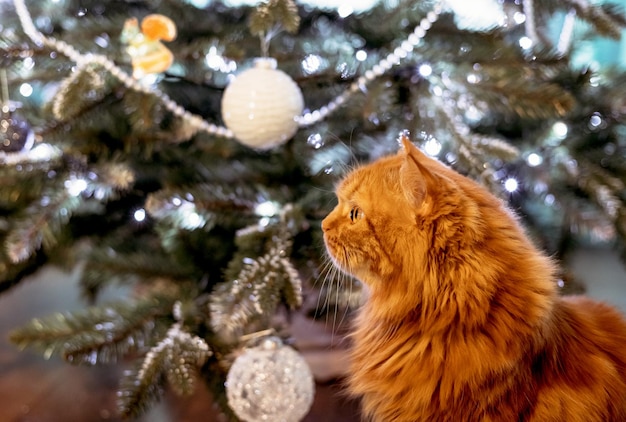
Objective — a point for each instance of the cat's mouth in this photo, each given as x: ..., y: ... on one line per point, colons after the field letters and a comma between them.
x: 332, y: 249
x: 338, y: 255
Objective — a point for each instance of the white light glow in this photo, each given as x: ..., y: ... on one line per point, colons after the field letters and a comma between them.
x: 193, y: 220
x: 595, y: 120
x: 361, y: 55
x: 218, y: 62
x: 345, y: 10
x: 311, y: 63
x: 477, y: 14
x: 473, y: 78
x: 26, y: 89
x: 511, y: 185
x: 432, y: 147
x: 75, y: 186
x: 43, y: 152
x: 266, y: 209
x: 28, y: 63
x: 534, y: 159
x: 519, y: 18
x: 139, y: 215
x: 560, y: 130
x: 425, y: 70
x: 200, y: 4
x: 526, y: 43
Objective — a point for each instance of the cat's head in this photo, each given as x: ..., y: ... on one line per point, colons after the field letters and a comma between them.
x: 400, y: 215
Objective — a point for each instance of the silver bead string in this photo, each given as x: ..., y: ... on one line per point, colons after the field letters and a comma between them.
x: 567, y: 31
x: 198, y: 122
x: 377, y: 70
x: 531, y: 29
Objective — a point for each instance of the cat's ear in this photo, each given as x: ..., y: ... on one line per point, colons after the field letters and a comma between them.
x: 415, y: 178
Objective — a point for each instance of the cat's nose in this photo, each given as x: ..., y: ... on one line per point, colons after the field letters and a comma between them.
x: 325, y: 224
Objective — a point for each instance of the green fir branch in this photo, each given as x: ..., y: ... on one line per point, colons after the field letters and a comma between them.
x: 202, y: 206
x: 19, y: 188
x: 247, y: 302
x: 272, y: 14
x: 250, y: 299
x: 85, y: 86
x: 506, y: 91
x: 174, y: 359
x: 602, y: 188
x: 99, y: 334
x: 105, y: 265
x: 40, y: 224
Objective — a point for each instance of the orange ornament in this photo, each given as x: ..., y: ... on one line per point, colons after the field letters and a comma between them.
x: 147, y: 52
x: 158, y: 27
x: 155, y: 61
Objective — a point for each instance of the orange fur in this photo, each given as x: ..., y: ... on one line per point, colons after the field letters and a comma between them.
x: 462, y: 321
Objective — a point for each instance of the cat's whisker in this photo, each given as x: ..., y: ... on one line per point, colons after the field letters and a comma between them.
x: 346, y: 302
x: 336, y: 310
x: 328, y: 270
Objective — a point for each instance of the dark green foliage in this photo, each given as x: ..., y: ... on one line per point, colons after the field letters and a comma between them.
x: 97, y: 335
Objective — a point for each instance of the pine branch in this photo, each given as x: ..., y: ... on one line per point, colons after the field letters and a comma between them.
x: 18, y: 189
x: 85, y: 86
x: 174, y: 360
x: 607, y: 19
x: 252, y: 297
x: 105, y: 265
x: 603, y: 189
x: 203, y: 204
x: 12, y: 273
x: 272, y: 14
x: 40, y: 224
x: 506, y: 90
x: 100, y: 334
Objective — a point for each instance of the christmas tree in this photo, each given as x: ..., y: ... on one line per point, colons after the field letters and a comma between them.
x: 189, y: 149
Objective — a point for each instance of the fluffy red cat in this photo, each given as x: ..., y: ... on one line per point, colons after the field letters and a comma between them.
x: 462, y: 320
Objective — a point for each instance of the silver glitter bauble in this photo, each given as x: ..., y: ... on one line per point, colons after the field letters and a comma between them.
x: 16, y: 135
x: 271, y: 382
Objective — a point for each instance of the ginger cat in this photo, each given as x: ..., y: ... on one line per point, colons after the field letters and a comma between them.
x: 463, y: 321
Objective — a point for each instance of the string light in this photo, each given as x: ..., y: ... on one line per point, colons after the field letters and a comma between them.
x: 139, y: 215
x: 560, y: 130
x: 26, y: 89
x: 511, y: 185
x: 267, y: 209
x: 193, y: 220
x: 526, y: 43
x: 425, y: 70
x: 75, y: 186
x: 534, y: 159
x: 432, y: 147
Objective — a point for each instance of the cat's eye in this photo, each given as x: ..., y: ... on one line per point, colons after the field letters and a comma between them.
x: 355, y: 214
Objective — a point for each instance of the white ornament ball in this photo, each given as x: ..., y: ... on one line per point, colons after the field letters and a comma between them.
x: 271, y: 382
x: 261, y: 104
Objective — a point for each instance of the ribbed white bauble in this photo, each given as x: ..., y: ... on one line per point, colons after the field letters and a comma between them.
x: 261, y: 104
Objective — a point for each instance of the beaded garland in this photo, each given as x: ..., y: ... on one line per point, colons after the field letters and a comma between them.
x: 197, y: 122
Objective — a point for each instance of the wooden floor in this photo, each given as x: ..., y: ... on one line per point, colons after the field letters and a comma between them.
x: 35, y: 390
